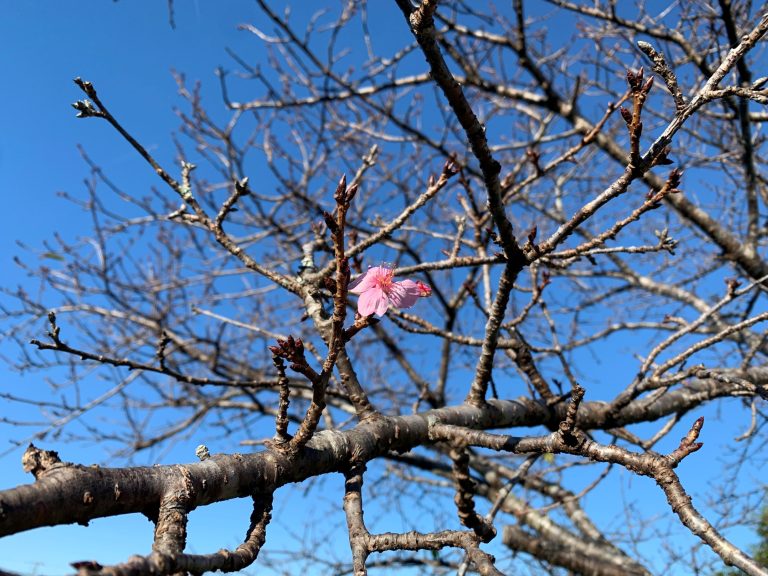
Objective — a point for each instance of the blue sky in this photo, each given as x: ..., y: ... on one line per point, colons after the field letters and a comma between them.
x: 127, y: 49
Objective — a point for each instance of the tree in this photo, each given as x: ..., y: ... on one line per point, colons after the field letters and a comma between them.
x: 553, y: 204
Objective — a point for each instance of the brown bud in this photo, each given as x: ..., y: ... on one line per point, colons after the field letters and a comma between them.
x: 648, y: 85
x: 626, y: 114
x: 451, y: 167
x: 241, y: 187
x: 329, y: 221
x: 662, y: 159
x: 351, y: 191
x: 341, y: 188
x: 674, y: 178
x: 631, y: 78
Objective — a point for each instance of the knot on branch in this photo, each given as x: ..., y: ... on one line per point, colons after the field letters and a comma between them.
x: 37, y: 461
x: 567, y: 428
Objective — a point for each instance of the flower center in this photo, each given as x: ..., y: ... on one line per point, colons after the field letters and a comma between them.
x: 385, y: 281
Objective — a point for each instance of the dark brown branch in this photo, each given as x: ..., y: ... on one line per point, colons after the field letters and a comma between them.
x: 465, y: 490
x: 161, y: 563
x: 281, y: 420
x: 422, y: 25
x: 660, y: 468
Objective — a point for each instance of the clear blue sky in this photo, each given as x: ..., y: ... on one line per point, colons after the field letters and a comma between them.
x: 128, y: 50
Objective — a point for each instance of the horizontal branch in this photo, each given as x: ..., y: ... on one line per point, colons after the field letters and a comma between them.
x: 65, y: 493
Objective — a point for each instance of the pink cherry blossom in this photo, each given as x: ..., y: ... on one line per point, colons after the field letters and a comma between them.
x: 378, y: 290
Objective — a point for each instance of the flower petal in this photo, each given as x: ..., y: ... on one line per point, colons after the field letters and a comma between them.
x: 372, y: 301
x: 368, y: 280
x: 405, y: 293
x: 382, y: 305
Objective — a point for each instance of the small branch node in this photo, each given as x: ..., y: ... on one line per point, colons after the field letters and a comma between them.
x: 202, y: 452
x: 567, y: 427
x: 688, y: 443
x: 281, y: 419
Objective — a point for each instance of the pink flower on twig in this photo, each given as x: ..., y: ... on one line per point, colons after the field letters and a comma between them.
x: 378, y: 290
